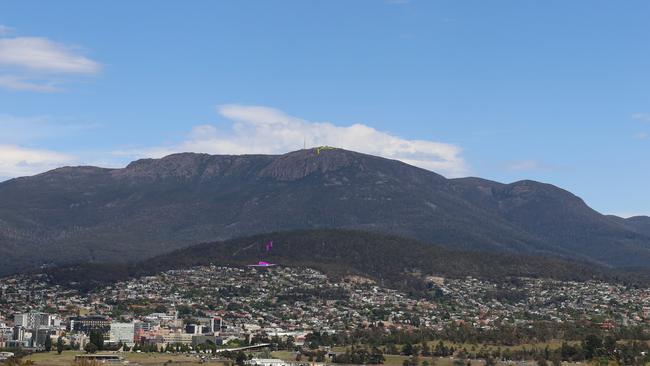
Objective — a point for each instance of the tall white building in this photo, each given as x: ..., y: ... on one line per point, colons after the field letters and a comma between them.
x: 122, y: 332
x: 36, y: 320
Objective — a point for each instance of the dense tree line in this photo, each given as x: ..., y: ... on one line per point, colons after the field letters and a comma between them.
x: 581, y: 342
x: 360, y: 356
x: 503, y: 335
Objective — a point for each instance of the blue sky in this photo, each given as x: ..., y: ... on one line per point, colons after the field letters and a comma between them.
x: 556, y: 91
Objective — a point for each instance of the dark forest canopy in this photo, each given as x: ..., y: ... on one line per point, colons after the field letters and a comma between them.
x: 394, y: 261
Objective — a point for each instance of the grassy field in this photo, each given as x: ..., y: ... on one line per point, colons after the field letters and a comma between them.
x: 156, y: 359
x: 394, y: 360
x: 145, y: 359
x: 283, y: 355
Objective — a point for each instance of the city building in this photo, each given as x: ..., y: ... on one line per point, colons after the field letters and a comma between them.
x: 89, y: 324
x: 122, y: 332
x: 34, y: 320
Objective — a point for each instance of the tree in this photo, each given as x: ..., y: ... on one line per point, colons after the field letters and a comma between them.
x: 416, y: 350
x: 592, y: 345
x: 376, y: 356
x: 462, y: 354
x: 290, y: 343
x: 407, y: 349
x: 556, y: 359
x: 320, y: 356
x: 426, y: 350
x: 48, y: 343
x: 160, y: 309
x: 97, y: 338
x: 59, y: 345
x: 440, y: 350
x: 609, y: 343
x: 241, y: 358
x: 90, y: 348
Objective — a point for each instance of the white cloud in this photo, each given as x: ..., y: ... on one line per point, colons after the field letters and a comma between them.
x: 31, y: 63
x: 15, y: 83
x: 41, y: 54
x: 264, y: 130
x: 18, y: 134
x: 4, y: 30
x: 16, y: 161
x: 641, y: 136
x: 643, y: 117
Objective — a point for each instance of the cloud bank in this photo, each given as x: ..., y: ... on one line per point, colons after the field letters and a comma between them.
x: 16, y: 161
x: 19, y: 135
x: 264, y: 130
x: 37, y: 64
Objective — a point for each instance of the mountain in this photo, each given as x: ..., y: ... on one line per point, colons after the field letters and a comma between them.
x: 640, y: 224
x: 562, y: 220
x: 390, y: 260
x: 154, y: 206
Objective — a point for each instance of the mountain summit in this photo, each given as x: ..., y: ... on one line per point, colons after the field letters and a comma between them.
x: 154, y: 206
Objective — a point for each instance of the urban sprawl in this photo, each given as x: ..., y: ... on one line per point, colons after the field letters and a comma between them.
x: 233, y: 306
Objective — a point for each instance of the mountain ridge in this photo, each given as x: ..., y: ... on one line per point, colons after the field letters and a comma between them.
x: 153, y: 206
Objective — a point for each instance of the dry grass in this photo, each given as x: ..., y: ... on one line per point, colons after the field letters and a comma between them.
x: 145, y: 359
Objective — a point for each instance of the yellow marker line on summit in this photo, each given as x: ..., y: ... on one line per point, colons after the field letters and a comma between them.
x: 318, y: 149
